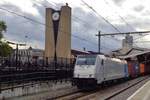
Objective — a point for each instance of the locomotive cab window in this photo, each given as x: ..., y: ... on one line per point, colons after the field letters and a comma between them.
x: 86, y: 60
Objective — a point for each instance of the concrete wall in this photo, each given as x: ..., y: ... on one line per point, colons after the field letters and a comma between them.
x: 49, y: 34
x: 63, y: 44
x: 63, y: 47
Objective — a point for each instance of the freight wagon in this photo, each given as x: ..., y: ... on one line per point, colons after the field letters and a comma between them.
x: 144, y: 68
x: 133, y: 69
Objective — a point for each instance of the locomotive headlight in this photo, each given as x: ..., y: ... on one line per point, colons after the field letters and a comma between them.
x: 76, y: 75
x: 91, y: 75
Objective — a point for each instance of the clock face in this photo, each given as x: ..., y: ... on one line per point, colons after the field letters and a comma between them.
x: 55, y: 16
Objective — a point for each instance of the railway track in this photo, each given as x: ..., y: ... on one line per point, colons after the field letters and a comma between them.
x: 74, y: 95
x: 122, y: 90
x: 65, y: 95
x: 86, y: 95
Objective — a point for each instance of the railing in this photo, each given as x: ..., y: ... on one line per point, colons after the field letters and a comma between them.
x: 22, y: 71
x: 36, y: 64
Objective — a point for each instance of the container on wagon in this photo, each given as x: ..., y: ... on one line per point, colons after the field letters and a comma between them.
x: 142, y: 68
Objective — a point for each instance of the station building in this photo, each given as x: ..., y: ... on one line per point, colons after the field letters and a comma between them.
x: 128, y: 50
x: 25, y: 55
x: 135, y: 56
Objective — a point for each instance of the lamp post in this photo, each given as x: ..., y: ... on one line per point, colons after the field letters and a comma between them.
x: 17, y: 45
x: 99, y: 41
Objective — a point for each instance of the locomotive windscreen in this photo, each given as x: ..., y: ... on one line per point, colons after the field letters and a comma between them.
x: 86, y: 60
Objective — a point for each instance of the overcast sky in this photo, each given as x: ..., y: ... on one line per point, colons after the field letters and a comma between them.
x: 85, y: 23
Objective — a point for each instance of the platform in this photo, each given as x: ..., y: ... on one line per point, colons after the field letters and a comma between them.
x: 142, y: 93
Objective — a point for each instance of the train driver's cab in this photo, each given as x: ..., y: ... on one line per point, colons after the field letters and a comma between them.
x: 85, y: 66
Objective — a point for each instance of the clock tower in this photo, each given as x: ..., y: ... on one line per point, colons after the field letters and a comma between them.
x: 58, y: 33
x: 55, y: 16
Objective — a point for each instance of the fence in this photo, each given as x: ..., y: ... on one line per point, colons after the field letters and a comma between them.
x: 34, y: 69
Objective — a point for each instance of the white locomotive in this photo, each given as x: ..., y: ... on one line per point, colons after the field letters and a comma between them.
x: 91, y: 70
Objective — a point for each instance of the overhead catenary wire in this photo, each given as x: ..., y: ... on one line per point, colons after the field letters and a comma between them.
x: 141, y: 37
x: 77, y: 19
x: 142, y: 42
x: 122, y: 18
x: 90, y: 7
x: 74, y: 20
x: 20, y: 15
x: 136, y: 39
x: 35, y: 21
x: 43, y: 24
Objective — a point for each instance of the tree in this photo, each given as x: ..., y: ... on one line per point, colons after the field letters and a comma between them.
x: 3, y: 28
x: 5, y: 49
